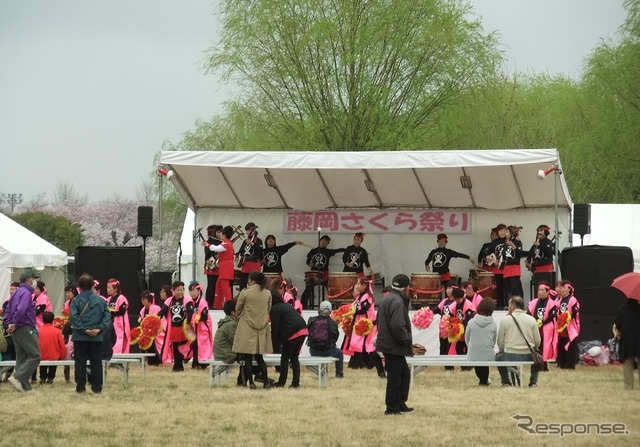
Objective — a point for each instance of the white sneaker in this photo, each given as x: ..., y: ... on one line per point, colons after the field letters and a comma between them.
x: 16, y: 384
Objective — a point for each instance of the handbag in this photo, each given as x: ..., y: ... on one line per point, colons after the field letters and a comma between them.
x: 536, y: 355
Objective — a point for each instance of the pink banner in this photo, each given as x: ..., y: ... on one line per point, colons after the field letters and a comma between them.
x: 379, y: 221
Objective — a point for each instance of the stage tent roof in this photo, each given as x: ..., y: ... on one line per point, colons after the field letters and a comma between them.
x: 498, y: 179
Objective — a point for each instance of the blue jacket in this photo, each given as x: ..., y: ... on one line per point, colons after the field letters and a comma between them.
x: 21, y: 311
x: 95, y: 316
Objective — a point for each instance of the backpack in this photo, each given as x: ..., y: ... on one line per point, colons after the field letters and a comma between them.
x: 319, y: 334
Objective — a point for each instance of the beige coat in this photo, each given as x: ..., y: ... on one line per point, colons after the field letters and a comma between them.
x: 253, y: 335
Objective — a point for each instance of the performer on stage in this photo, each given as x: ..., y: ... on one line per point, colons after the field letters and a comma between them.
x: 540, y: 257
x: 568, y: 333
x: 226, y: 268
x: 318, y: 260
x: 178, y: 310
x: 214, y: 237
x: 513, y: 253
x: 485, y: 251
x: 202, y: 346
x: 119, y: 308
x: 361, y: 348
x: 356, y: 257
x: 272, y: 259
x: 440, y: 257
x: 150, y: 308
x: 250, y: 254
x: 544, y: 310
x: 494, y: 259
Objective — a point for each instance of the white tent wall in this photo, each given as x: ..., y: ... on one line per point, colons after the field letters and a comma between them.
x: 20, y: 249
x: 389, y: 254
x: 615, y: 225
x: 54, y: 279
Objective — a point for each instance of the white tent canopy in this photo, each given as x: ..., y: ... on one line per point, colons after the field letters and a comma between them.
x: 233, y: 188
x: 20, y: 249
x: 500, y: 179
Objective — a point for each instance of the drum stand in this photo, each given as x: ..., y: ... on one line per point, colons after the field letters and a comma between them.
x: 319, y: 293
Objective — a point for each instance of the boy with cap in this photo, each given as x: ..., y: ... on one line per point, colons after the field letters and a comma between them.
x: 395, y: 342
x: 20, y: 322
x: 329, y: 349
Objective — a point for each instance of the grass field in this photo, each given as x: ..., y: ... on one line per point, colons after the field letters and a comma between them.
x: 450, y: 410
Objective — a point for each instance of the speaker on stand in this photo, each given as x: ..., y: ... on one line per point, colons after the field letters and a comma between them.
x: 582, y: 220
x: 145, y: 230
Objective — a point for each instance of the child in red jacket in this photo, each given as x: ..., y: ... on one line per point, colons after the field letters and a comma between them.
x: 52, y: 347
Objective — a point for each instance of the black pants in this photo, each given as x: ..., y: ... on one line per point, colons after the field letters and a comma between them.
x: 513, y: 287
x: 567, y: 358
x: 178, y: 358
x: 398, y: 380
x: 242, y: 282
x: 290, y: 352
x: 444, y: 350
x: 501, y: 302
x: 210, y: 294
x: 482, y: 372
x: 248, y: 367
x: 47, y: 373
x: 91, y: 351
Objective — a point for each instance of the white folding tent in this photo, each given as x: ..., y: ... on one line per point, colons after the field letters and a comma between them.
x: 490, y: 186
x: 20, y: 249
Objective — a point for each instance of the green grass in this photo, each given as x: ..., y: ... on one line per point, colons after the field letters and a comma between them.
x: 450, y: 410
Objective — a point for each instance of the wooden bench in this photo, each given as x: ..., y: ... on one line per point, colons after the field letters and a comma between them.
x: 5, y: 365
x: 419, y: 362
x: 318, y: 365
x: 137, y: 356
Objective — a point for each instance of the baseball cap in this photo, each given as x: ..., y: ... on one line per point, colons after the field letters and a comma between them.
x: 401, y: 281
x: 325, y: 308
x: 28, y: 273
x: 249, y: 226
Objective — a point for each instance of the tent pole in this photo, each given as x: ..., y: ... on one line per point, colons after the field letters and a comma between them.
x: 555, y: 210
x: 193, y: 249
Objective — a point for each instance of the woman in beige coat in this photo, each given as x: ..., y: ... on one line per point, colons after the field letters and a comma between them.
x: 253, y: 335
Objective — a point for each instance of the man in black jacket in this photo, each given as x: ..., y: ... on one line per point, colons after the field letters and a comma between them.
x: 330, y: 350
x: 395, y: 342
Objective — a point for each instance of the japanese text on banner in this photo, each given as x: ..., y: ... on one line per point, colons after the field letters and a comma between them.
x: 379, y: 221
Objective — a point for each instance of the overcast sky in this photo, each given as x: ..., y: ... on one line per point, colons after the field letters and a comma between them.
x: 89, y: 90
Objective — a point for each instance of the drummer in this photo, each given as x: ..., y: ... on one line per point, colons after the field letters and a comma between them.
x: 318, y: 261
x: 355, y: 257
x: 485, y: 251
x: 272, y: 254
x: 250, y: 254
x: 440, y: 257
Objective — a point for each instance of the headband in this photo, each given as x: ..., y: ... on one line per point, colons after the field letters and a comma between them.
x: 544, y: 286
x: 113, y: 283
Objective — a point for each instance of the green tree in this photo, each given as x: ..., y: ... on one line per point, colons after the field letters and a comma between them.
x: 57, y: 230
x: 608, y: 153
x: 343, y: 74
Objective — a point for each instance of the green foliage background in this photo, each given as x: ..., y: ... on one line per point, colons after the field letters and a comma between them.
x: 312, y: 77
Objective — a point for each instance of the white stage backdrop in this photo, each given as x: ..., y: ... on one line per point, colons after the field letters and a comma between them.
x: 389, y: 253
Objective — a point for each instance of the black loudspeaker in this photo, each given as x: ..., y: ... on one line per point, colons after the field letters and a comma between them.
x: 157, y: 280
x: 121, y: 263
x: 145, y: 221
x: 582, y: 218
x: 591, y: 270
